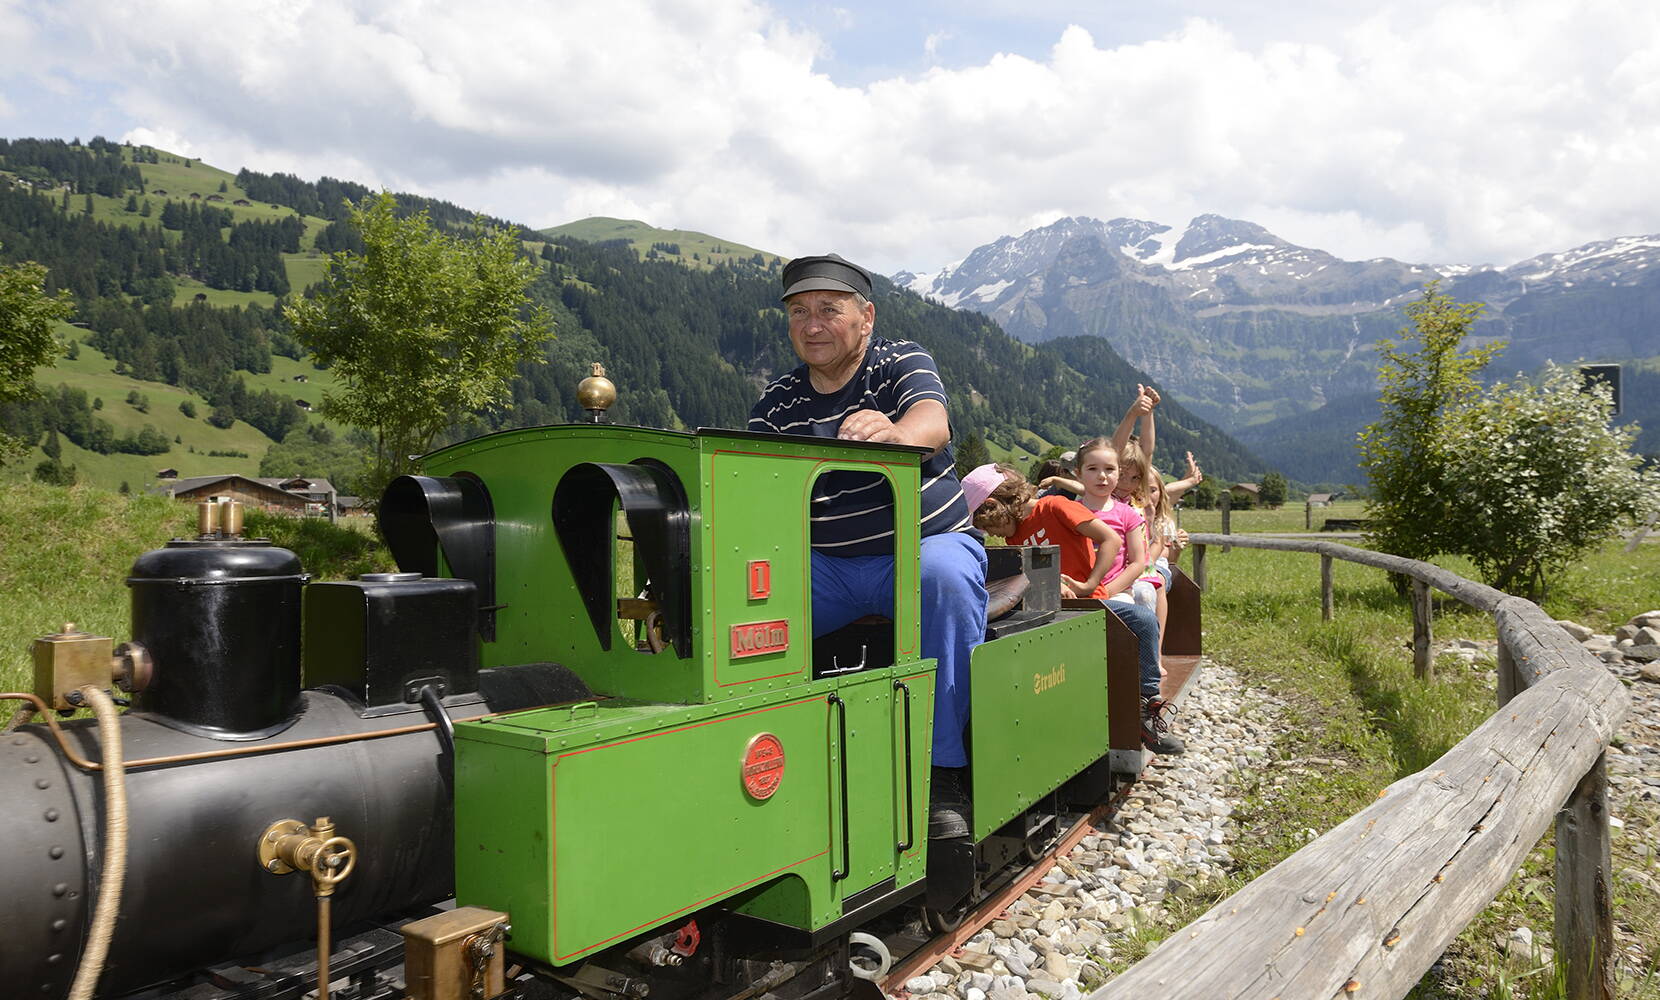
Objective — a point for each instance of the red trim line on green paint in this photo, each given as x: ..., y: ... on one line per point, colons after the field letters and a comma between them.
x: 553, y: 830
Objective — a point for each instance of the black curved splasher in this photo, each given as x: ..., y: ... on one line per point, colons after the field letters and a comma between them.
x: 654, y: 501
x: 423, y: 515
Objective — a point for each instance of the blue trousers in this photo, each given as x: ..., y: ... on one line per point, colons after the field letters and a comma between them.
x: 1145, y: 625
x: 953, y: 584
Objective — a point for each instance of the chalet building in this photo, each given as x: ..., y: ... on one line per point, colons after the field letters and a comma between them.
x: 167, y: 473
x: 302, y: 404
x: 298, y: 496
x: 1246, y: 491
x: 301, y: 378
x: 195, y: 197
x: 242, y: 202
x: 215, y: 197
x: 159, y: 191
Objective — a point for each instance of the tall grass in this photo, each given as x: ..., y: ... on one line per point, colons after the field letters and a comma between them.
x: 64, y: 556
x: 65, y: 553
x: 1359, y: 719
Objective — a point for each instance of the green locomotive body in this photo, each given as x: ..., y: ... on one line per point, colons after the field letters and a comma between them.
x: 724, y: 759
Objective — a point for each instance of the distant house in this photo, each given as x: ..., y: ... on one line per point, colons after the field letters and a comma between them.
x: 200, y: 297
x: 351, y: 506
x: 195, y: 197
x: 296, y: 495
x: 242, y: 202
x: 167, y: 474
x: 1321, y: 499
x: 301, y: 378
x: 1246, y: 491
x: 215, y: 197
x: 302, y: 404
x: 159, y: 191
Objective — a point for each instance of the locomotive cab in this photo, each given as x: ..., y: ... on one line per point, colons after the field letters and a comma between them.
x: 670, y: 572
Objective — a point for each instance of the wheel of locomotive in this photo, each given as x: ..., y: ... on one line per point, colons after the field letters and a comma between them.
x: 1036, y: 845
x: 944, y: 921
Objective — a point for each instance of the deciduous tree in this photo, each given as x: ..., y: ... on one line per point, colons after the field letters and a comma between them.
x: 420, y: 328
x: 1424, y: 376
x: 1272, y: 489
x: 26, y: 338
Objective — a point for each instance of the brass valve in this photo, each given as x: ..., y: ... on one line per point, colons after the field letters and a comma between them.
x: 289, y: 845
x: 67, y: 660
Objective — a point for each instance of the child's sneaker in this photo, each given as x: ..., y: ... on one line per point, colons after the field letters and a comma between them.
x: 1155, y: 730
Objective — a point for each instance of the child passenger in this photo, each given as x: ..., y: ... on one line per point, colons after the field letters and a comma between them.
x: 1093, y: 562
x: 1011, y: 509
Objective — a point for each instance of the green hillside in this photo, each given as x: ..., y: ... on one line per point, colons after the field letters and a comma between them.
x: 176, y: 305
x: 682, y: 246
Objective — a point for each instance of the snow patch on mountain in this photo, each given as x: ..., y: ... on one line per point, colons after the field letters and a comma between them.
x: 1615, y: 255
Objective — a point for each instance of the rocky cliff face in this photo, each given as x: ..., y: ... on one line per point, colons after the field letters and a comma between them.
x: 1247, y: 328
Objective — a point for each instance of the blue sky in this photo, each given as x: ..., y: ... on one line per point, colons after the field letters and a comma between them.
x: 904, y: 134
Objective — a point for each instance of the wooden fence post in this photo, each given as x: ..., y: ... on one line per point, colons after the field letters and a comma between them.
x: 1308, y: 516
x: 1508, y: 681
x: 1584, y: 908
x: 1227, y: 518
x: 1201, y: 571
x: 1420, y: 628
x: 1325, y: 588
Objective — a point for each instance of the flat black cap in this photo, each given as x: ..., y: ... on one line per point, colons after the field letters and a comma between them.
x: 828, y: 272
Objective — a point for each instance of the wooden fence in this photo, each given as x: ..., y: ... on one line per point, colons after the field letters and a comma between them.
x: 1367, y: 908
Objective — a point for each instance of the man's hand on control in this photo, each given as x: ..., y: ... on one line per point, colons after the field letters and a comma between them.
x: 869, y: 425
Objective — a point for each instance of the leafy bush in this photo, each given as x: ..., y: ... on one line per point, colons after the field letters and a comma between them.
x: 1535, y: 475
x: 327, y: 551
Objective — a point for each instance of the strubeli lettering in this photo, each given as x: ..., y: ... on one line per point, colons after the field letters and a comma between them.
x: 1043, y: 682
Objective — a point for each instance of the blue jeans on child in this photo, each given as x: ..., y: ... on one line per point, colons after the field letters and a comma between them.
x: 1145, y: 625
x: 953, y: 588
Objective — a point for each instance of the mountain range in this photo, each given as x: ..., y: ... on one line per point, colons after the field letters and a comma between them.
x: 1276, y: 341
x: 177, y: 357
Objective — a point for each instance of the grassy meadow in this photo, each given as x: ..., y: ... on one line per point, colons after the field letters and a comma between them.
x: 710, y: 250
x: 1357, y: 719
x: 65, y: 553
x: 196, y: 440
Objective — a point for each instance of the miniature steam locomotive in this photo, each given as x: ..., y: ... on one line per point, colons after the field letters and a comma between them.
x: 590, y: 709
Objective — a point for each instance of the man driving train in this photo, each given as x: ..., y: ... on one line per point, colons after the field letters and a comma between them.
x: 854, y: 386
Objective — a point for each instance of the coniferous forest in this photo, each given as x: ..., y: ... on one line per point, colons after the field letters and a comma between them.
x: 688, y: 344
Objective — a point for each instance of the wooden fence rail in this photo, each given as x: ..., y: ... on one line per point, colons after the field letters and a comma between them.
x: 1367, y: 908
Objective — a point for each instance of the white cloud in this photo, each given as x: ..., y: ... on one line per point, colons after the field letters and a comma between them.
x: 1466, y: 130
x: 931, y: 44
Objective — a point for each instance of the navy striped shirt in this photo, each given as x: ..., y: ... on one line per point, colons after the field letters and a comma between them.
x: 852, y: 511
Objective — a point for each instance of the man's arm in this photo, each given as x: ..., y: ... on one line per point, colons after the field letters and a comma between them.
x: 924, y: 423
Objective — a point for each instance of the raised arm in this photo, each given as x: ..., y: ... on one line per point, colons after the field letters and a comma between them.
x: 1194, y: 477
x: 1147, y: 423
x: 1126, y: 427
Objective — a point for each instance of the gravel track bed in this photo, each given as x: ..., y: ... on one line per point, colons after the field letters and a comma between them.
x: 1171, y: 832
